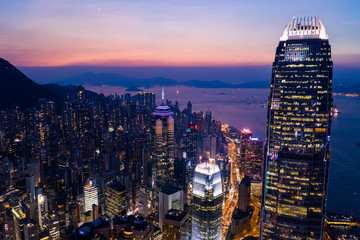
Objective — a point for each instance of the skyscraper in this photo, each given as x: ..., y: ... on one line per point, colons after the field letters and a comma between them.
x: 115, y: 199
x: 163, y: 151
x: 91, y: 194
x: 42, y: 209
x: 207, y: 202
x: 297, y: 154
x: 170, y: 197
x: 163, y: 145
x: 253, y: 157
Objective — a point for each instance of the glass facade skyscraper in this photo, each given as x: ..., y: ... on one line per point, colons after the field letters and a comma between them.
x: 207, y: 197
x: 163, y: 151
x: 163, y: 146
x: 297, y: 154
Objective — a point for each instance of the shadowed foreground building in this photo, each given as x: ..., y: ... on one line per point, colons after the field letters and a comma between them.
x: 207, y: 199
x: 176, y: 225
x: 295, y: 175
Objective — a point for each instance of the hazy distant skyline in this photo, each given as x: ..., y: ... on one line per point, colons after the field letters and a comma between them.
x: 165, y: 33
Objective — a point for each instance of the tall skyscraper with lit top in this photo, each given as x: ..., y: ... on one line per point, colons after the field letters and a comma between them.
x: 163, y: 151
x: 163, y: 146
x: 207, y: 197
x: 295, y: 170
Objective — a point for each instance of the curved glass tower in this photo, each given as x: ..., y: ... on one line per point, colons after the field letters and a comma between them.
x: 295, y: 169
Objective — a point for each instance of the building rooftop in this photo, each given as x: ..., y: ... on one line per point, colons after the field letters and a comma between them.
x: 176, y: 215
x: 136, y: 222
x: 162, y: 110
x: 207, y: 168
x: 304, y: 28
x: 169, y: 189
x: 116, y: 185
x: 246, y: 181
x: 245, y: 130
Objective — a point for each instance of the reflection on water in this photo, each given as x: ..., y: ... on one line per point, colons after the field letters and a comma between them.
x: 247, y: 108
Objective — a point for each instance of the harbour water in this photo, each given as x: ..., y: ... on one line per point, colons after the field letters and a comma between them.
x: 247, y: 108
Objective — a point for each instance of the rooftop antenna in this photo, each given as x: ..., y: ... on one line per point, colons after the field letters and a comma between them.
x: 162, y: 94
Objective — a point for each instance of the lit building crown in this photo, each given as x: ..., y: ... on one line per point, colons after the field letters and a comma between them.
x: 207, y: 168
x: 162, y: 110
x: 304, y: 28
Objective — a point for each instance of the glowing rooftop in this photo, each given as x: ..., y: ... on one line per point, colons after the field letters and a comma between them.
x: 207, y: 168
x: 304, y: 28
x: 162, y: 110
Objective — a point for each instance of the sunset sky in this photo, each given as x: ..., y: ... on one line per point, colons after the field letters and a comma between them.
x: 165, y: 33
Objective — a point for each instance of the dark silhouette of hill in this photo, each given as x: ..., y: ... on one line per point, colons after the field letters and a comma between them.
x: 16, y: 88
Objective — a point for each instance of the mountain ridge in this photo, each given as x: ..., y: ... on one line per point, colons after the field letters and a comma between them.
x: 17, y: 88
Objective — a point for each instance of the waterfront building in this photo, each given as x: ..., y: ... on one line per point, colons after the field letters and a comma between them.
x: 295, y: 175
x: 207, y: 199
x: 115, y: 199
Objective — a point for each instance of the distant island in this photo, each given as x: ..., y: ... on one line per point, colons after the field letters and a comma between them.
x: 133, y: 89
x: 114, y: 79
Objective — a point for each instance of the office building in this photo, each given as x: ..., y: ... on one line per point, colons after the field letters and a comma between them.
x: 42, y: 207
x: 90, y: 194
x: 176, y: 225
x: 54, y: 227
x: 245, y: 134
x: 163, y: 145
x: 297, y: 149
x: 170, y: 197
x: 131, y: 227
x: 19, y: 221
x: 207, y: 199
x: 31, y: 230
x: 244, y: 194
x: 163, y: 150
x: 115, y: 199
x: 253, y: 157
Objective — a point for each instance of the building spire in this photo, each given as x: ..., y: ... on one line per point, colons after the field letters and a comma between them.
x: 162, y: 94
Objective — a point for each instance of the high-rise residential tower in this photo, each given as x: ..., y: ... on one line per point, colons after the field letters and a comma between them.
x: 297, y: 154
x: 207, y: 199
